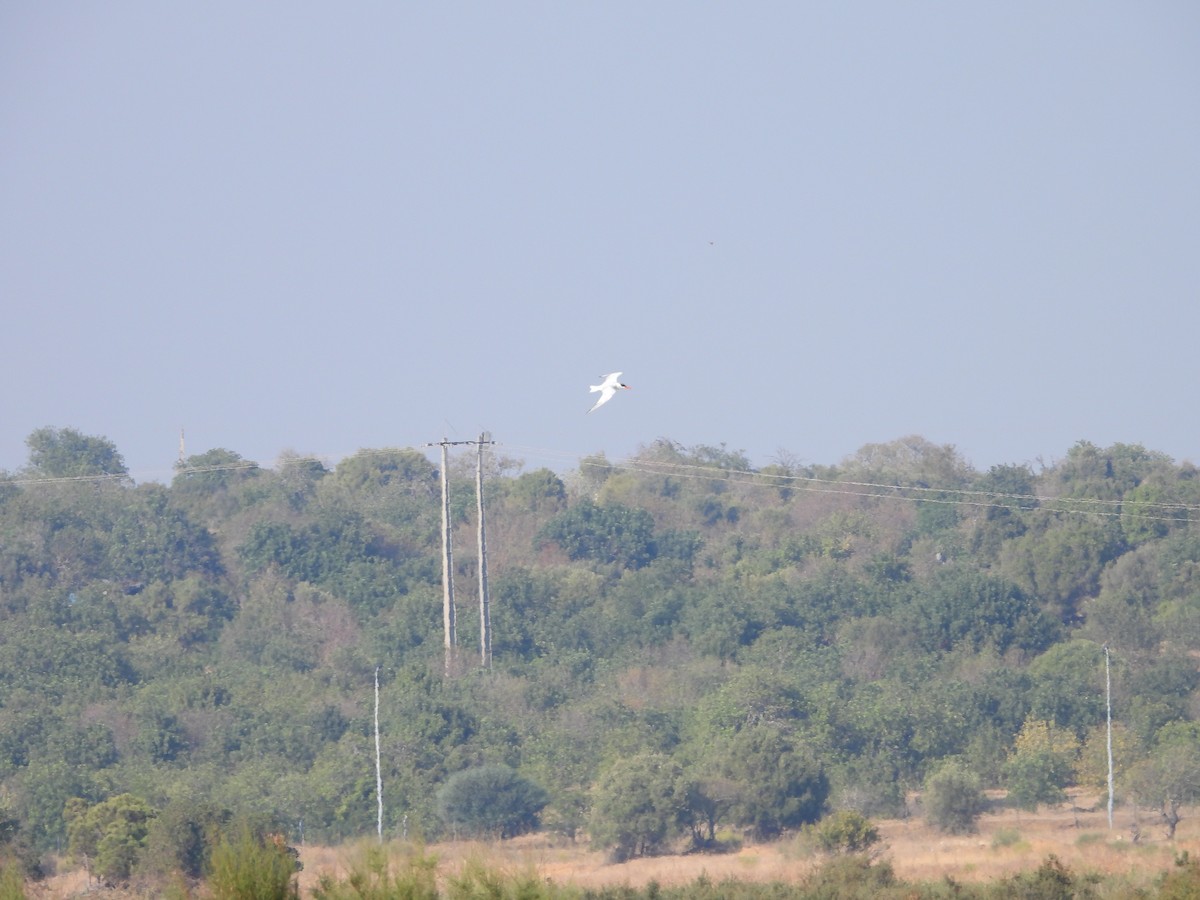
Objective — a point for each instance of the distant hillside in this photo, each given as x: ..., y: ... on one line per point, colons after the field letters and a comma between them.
x: 731, y: 648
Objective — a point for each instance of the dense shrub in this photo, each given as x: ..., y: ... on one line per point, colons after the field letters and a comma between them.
x: 953, y: 799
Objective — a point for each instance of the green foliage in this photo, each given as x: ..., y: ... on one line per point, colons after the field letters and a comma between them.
x: 1041, y: 764
x: 1068, y: 685
x: 67, y: 453
x: 844, y: 831
x: 953, y: 799
x: 346, y: 555
x: 1052, y: 880
x: 638, y: 804
x: 12, y: 882
x: 616, y: 535
x: 771, y: 638
x: 17, y: 858
x: 246, y: 865
x: 1182, y: 882
x: 376, y: 875
x: 780, y: 784
x: 1036, y: 778
x: 110, y: 835
x: 1061, y: 565
x: 215, y: 484
x: 849, y: 877
x: 539, y: 491
x: 963, y: 608
x: 491, y: 800
x: 1168, y: 779
x: 180, y: 838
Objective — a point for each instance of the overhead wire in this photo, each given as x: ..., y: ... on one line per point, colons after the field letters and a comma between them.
x: 923, y: 494
x: 1094, y: 506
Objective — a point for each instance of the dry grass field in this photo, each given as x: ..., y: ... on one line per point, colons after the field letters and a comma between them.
x: 1007, y: 842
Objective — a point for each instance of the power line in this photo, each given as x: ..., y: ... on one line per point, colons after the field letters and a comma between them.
x: 1086, y: 506
x: 124, y: 476
x: 915, y: 493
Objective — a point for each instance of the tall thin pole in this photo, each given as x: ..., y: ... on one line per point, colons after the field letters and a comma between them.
x: 1108, y: 702
x: 485, y: 612
x: 448, y: 622
x: 378, y: 770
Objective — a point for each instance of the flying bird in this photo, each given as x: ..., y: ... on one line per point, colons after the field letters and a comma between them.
x: 609, y: 386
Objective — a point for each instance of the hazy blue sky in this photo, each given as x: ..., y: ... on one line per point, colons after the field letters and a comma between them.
x: 796, y: 227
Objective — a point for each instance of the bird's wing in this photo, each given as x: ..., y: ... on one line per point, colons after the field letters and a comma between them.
x: 606, y: 394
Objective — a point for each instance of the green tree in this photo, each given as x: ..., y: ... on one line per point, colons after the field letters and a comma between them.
x: 1041, y: 764
x: 67, y: 453
x: 1169, y: 778
x: 960, y: 607
x: 953, y: 798
x: 616, y: 534
x: 1061, y: 563
x: 909, y: 460
x: 1091, y: 767
x: 110, y: 835
x: 491, y: 800
x: 1011, y: 490
x: 1090, y: 472
x: 780, y: 783
x: 181, y: 837
x: 537, y: 491
x: 217, y: 485
x: 151, y: 539
x: 639, y: 803
x: 1068, y: 685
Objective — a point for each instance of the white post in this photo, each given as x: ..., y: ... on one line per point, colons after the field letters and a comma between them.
x: 447, y: 566
x: 1108, y: 702
x: 378, y: 770
x: 485, y: 613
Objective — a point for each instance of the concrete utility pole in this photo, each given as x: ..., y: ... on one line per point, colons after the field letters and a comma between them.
x: 485, y: 610
x: 448, y: 613
x: 448, y: 622
x: 378, y: 769
x: 1108, y: 704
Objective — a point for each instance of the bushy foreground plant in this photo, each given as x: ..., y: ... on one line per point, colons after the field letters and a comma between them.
x: 845, y: 831
x: 248, y: 866
x: 12, y: 882
x: 374, y: 875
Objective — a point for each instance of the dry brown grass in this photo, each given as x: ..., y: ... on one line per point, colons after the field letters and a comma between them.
x: 1007, y: 842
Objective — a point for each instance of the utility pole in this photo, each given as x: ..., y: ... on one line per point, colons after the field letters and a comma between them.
x: 448, y: 613
x: 485, y: 610
x: 448, y: 622
x: 1108, y: 704
x: 378, y: 770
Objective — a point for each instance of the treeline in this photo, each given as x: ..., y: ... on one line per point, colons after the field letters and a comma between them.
x: 683, y: 645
